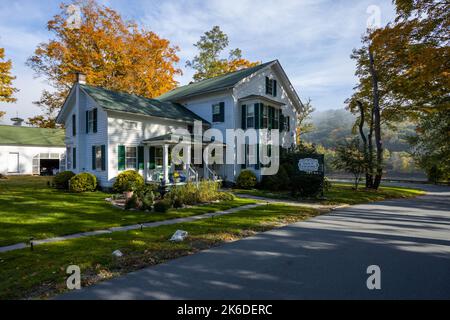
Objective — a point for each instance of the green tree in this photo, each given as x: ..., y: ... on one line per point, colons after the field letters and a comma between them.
x: 350, y: 158
x: 431, y: 147
x: 208, y: 63
x: 304, y: 125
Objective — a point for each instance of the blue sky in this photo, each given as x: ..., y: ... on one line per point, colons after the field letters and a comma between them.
x: 313, y: 39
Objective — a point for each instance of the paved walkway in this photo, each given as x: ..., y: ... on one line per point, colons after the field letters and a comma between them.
x: 19, y: 246
x: 322, y: 258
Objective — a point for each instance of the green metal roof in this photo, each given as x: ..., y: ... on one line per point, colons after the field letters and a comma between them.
x: 124, y: 102
x: 225, y: 81
x: 28, y: 136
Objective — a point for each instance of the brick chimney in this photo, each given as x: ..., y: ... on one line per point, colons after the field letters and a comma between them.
x: 80, y: 78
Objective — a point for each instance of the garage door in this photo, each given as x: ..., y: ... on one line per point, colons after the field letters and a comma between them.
x: 13, y: 163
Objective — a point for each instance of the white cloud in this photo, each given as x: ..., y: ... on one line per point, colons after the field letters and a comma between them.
x: 313, y: 39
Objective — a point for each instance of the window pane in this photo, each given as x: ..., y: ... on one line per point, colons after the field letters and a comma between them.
x: 250, y: 110
x: 216, y: 109
x: 250, y: 122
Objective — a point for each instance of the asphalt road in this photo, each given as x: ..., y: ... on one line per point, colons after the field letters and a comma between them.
x: 323, y: 258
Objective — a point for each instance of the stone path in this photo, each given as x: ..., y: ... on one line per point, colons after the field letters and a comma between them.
x: 19, y: 246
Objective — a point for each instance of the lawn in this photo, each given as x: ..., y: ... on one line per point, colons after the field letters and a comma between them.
x: 30, y: 208
x: 41, y: 273
x: 342, y: 193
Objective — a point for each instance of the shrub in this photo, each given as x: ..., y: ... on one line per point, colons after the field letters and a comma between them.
x: 246, y: 180
x: 226, y: 196
x: 3, y: 177
x: 162, y: 206
x: 277, y: 182
x: 83, y: 182
x: 208, y: 191
x: 327, y: 184
x: 61, y: 180
x: 307, y: 186
x: 128, y: 181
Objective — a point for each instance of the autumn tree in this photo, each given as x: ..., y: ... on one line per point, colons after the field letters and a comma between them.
x: 113, y: 53
x: 208, y: 63
x: 7, y: 89
x: 350, y: 158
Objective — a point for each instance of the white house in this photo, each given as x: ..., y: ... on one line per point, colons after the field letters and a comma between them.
x: 27, y: 151
x: 108, y: 132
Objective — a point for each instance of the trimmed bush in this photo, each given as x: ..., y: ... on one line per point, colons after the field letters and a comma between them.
x: 226, y: 196
x: 208, y: 191
x: 162, y: 206
x: 61, y: 180
x: 246, y: 180
x: 83, y: 182
x: 128, y: 181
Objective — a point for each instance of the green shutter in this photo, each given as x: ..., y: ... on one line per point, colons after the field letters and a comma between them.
x: 267, y: 86
x: 257, y: 113
x: 74, y: 162
x: 281, y: 121
x: 270, y: 120
x: 288, y: 124
x: 244, y: 165
x: 244, y: 116
x: 222, y: 112
x: 95, y: 121
x: 274, y: 88
x: 103, y: 157
x: 93, y: 158
x: 87, y: 121
x: 121, y: 159
x: 152, y: 161
x: 257, y: 166
x: 74, y: 125
x: 140, y: 165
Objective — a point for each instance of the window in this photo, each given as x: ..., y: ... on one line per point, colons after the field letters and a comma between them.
x: 98, y: 157
x: 74, y: 125
x: 130, y: 157
x: 69, y: 158
x: 276, y: 119
x: 271, y: 86
x: 159, y: 157
x: 287, y: 124
x: 218, y: 112
x: 265, y: 117
x: 91, y: 121
x: 250, y: 116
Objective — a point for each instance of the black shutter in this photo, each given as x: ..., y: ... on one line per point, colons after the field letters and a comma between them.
x: 268, y: 86
x: 244, y: 116
x: 222, y: 112
x: 95, y: 121
x: 94, y: 156
x: 281, y: 121
x: 103, y: 157
x: 74, y: 160
x: 288, y: 124
x: 74, y: 125
x: 87, y: 121
x: 274, y: 88
x: 140, y: 157
x: 121, y: 158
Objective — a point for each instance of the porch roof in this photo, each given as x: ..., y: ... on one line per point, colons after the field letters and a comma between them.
x: 262, y: 98
x: 170, y: 138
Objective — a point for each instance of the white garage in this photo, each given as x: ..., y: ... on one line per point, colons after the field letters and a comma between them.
x: 31, y: 151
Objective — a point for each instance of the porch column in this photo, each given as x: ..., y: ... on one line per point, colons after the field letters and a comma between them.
x: 166, y: 162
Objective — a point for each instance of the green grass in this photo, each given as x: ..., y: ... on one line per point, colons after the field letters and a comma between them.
x: 341, y: 193
x: 41, y: 273
x: 29, y: 208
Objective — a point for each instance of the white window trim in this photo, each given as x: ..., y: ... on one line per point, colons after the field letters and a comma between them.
x: 135, y: 158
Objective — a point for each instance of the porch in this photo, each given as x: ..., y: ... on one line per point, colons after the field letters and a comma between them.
x: 159, y: 166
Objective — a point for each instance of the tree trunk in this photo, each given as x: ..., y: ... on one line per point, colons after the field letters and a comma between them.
x: 377, y: 122
x: 367, y: 154
x: 369, y: 177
